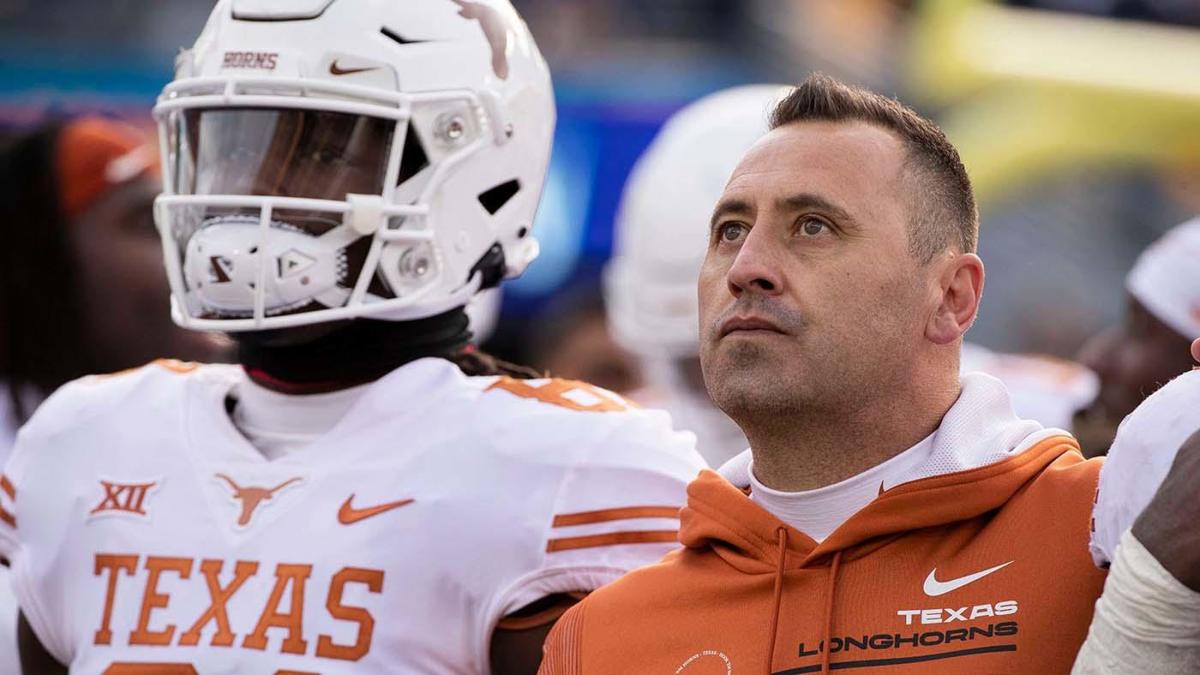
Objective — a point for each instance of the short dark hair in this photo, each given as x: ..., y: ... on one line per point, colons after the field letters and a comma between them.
x: 944, y: 211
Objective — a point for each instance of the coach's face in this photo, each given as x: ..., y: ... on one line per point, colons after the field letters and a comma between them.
x: 809, y: 295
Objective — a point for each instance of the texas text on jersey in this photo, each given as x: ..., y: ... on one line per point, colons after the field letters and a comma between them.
x: 166, y: 534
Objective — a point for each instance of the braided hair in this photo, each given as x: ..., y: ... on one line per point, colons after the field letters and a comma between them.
x: 42, y: 327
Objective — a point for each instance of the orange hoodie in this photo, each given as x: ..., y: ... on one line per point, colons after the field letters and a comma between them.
x: 984, y: 570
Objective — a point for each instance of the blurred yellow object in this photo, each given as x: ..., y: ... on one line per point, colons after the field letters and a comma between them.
x: 1030, y: 92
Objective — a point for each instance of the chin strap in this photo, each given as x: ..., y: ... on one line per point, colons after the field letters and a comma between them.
x: 361, y: 351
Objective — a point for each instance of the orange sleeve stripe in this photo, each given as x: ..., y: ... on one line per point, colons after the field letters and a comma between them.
x: 606, y: 515
x: 130, y: 668
x: 612, y: 539
x: 7, y: 517
x: 171, y: 365
x: 7, y: 486
x: 176, y: 366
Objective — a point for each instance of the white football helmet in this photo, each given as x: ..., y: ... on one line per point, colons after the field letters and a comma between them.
x: 332, y: 159
x: 662, y: 223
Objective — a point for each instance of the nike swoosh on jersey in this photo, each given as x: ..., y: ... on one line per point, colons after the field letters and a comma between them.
x: 335, y: 69
x: 934, y: 588
x: 348, y: 515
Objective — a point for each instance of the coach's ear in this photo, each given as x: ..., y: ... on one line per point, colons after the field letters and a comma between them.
x: 958, y: 289
x: 1196, y: 352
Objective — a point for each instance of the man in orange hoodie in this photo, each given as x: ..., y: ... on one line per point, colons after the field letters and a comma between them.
x: 890, y: 516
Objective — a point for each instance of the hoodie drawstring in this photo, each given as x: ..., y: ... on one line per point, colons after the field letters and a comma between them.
x: 782, y: 541
x: 827, y: 629
x: 827, y: 623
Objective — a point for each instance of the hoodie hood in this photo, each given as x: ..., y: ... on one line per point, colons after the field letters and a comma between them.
x: 982, y: 455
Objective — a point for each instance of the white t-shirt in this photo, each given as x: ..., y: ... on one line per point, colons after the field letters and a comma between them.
x: 819, y: 512
x: 278, y: 424
x: 978, y: 430
x: 437, y: 504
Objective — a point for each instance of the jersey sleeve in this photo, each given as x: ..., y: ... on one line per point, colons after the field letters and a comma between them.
x: 1139, y: 460
x: 25, y: 524
x: 616, y: 509
x: 37, y: 498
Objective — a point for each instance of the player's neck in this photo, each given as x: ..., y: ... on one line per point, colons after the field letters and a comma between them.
x: 268, y: 381
x: 814, y: 450
x: 359, y: 352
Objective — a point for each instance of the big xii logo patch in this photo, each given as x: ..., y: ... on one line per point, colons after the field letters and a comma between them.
x: 124, y: 499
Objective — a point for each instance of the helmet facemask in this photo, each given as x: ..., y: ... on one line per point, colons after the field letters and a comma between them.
x: 298, y: 212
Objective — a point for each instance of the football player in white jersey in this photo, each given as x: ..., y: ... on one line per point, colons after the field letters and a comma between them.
x: 76, y: 219
x: 364, y: 494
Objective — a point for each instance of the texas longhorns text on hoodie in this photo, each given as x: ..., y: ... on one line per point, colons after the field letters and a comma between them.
x: 980, y: 566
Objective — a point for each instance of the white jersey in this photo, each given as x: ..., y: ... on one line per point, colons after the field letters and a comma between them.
x: 8, y: 604
x: 9, y: 423
x: 148, y: 530
x: 1140, y: 458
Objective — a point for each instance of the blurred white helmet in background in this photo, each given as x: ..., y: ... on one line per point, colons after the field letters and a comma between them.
x: 661, y: 232
x: 332, y: 159
x: 1041, y: 388
x: 661, y: 240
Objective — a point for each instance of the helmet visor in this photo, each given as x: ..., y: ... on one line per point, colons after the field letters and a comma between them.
x: 280, y: 152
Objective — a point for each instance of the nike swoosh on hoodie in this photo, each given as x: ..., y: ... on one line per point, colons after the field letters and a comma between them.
x: 934, y: 588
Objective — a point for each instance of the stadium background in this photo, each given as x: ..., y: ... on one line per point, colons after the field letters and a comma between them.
x: 1077, y: 118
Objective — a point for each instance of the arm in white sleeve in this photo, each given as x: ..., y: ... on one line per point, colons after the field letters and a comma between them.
x: 1146, y: 621
x: 1139, y: 460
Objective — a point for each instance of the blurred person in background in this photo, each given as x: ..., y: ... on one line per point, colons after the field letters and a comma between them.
x: 82, y: 288
x: 81, y: 283
x: 650, y: 282
x: 570, y: 338
x: 1043, y: 388
x: 1150, y: 348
